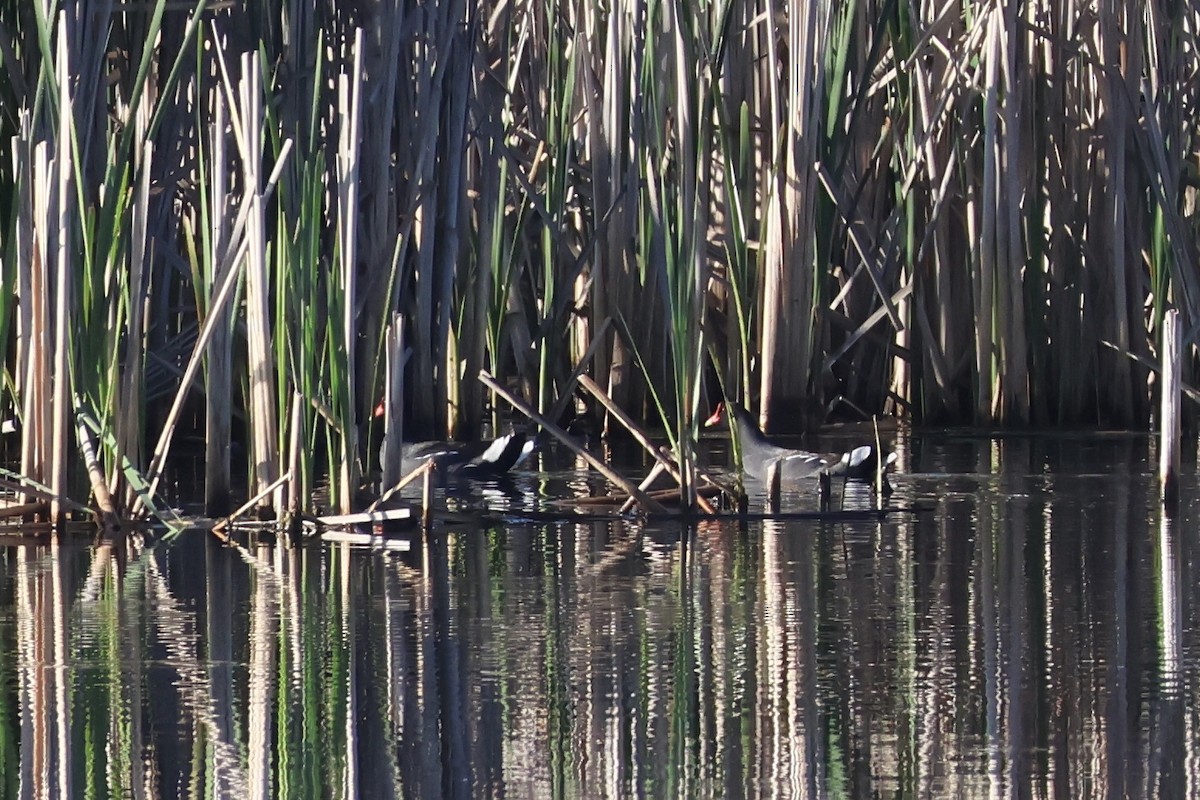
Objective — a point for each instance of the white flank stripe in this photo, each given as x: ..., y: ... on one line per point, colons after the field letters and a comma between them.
x: 526, y: 449
x: 492, y: 454
x: 859, y: 454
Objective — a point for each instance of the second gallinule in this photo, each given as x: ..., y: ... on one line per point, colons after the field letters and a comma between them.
x: 759, y: 452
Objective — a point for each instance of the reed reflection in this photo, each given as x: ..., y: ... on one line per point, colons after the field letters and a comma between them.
x: 1033, y: 636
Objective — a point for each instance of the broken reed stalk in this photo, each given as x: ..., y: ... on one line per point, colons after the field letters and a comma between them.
x: 405, y: 481
x: 234, y: 260
x: 672, y: 494
x: 23, y: 509
x: 1168, y: 443
x: 566, y: 392
x: 23, y: 486
x: 363, y: 518
x: 1191, y: 392
x: 660, y: 466
x: 657, y: 453
x: 645, y: 501
x: 666, y: 495
x: 163, y: 447
x: 108, y: 517
x: 252, y: 502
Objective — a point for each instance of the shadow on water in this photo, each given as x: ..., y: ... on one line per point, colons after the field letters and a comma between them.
x: 1034, y: 635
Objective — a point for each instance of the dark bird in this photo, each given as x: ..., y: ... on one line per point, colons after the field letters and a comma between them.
x: 480, y: 459
x: 486, y: 458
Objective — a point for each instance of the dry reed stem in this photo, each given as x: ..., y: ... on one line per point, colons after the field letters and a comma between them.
x: 108, y: 517
x: 128, y: 425
x: 294, y: 444
x: 870, y: 322
x: 645, y: 501
x: 986, y: 347
x: 21, y: 485
x: 665, y: 495
x: 427, y: 486
x: 365, y: 517
x: 420, y: 471
x: 252, y: 502
x: 264, y: 430
x: 393, y: 402
x: 23, y: 509
x: 348, y: 159
x: 662, y: 457
x: 34, y: 313
x: 62, y: 284
x: 864, y: 251
x: 660, y: 466
x: 1154, y: 366
x: 162, y: 448
x: 218, y: 411
x: 567, y: 392
x: 1169, y: 417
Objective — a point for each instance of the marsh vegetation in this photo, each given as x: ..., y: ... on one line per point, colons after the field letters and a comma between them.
x: 217, y: 215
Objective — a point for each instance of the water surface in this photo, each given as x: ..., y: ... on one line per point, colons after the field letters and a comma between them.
x: 1034, y: 634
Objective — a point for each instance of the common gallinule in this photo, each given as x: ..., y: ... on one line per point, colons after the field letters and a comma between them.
x: 487, y: 458
x: 483, y: 459
x: 758, y: 452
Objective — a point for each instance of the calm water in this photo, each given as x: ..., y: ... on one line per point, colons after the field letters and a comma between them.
x: 1035, y: 634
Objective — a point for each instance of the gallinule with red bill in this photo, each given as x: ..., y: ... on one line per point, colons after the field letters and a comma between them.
x: 759, y: 452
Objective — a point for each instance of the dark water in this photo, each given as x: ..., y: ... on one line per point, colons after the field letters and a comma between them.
x: 1034, y: 634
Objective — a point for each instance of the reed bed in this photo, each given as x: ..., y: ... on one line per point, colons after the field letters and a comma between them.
x: 958, y: 212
